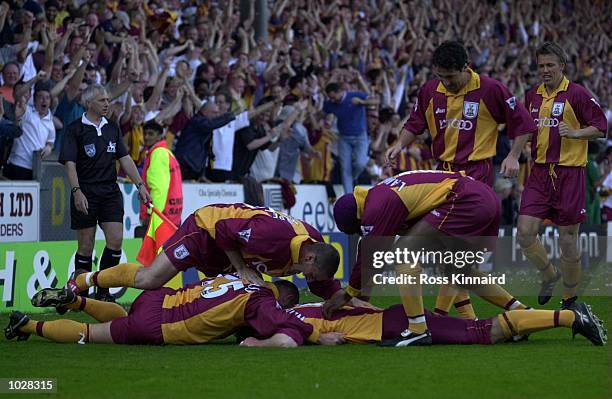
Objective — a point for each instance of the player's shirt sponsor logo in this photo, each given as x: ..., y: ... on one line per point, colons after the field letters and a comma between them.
x: 470, y: 109
x: 557, y: 109
x: 459, y: 124
x: 90, y: 150
x: 181, y: 252
x: 546, y: 122
x: 245, y: 234
x: 511, y: 102
x: 440, y: 111
x: 112, y: 147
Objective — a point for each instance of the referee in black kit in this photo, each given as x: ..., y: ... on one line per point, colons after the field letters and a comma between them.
x: 91, y: 146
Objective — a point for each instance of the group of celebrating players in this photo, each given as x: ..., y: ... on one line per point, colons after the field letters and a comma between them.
x: 238, y: 243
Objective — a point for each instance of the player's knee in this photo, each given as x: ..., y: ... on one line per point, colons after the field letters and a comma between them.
x: 146, y: 279
x: 525, y: 235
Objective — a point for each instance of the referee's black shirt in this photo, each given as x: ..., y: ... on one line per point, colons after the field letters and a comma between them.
x: 93, y: 152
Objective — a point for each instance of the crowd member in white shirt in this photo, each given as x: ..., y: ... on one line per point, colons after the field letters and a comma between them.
x: 38, y: 133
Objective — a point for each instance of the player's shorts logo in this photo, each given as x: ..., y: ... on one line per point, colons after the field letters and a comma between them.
x: 470, y: 109
x: 90, y: 150
x: 435, y: 213
x: 557, y: 109
x: 181, y: 252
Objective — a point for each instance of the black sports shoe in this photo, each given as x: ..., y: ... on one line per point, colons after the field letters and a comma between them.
x: 569, y: 304
x: 54, y: 297
x: 16, y: 320
x: 588, y: 325
x: 408, y: 338
x: 547, y: 287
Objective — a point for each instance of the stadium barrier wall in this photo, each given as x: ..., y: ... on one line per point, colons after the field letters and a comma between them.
x: 19, y: 211
x: 28, y: 267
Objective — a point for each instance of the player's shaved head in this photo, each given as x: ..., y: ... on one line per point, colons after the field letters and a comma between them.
x: 450, y: 55
x: 327, y: 258
x: 289, y: 295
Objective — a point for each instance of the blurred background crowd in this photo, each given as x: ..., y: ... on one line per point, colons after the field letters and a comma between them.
x: 185, y: 64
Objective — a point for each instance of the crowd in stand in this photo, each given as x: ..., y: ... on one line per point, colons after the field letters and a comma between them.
x: 241, y: 100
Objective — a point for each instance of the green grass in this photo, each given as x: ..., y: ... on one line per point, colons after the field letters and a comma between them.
x: 550, y: 365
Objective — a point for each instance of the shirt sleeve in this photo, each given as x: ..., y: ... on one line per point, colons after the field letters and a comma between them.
x: 242, y: 120
x: 264, y: 315
x: 417, y: 122
x: 506, y: 108
x: 379, y: 221
x: 589, y: 112
x: 121, y: 148
x: 69, y: 150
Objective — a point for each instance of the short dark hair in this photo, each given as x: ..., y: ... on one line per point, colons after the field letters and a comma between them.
x: 293, y: 294
x: 450, y: 55
x: 327, y: 257
x: 552, y: 48
x: 385, y: 114
x: 43, y: 85
x: 152, y: 125
x: 332, y: 88
x: 295, y: 80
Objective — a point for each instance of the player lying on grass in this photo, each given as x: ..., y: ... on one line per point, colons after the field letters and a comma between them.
x: 362, y: 325
x: 210, y: 309
x: 237, y: 237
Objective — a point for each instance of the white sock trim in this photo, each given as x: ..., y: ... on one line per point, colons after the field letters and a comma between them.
x: 88, y: 278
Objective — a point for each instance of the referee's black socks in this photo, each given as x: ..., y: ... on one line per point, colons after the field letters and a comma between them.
x: 110, y: 258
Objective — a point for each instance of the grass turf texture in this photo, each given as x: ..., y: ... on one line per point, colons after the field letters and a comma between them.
x: 550, y: 365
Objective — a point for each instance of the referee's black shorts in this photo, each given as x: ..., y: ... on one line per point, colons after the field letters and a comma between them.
x: 105, y: 204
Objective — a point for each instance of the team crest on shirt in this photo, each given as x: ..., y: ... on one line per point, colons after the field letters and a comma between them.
x: 112, y: 147
x: 181, y: 252
x: 90, y: 150
x: 470, y: 109
x: 557, y: 109
x: 245, y: 234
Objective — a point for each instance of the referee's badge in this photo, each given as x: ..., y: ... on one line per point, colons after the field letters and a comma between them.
x: 470, y: 109
x: 90, y: 150
x: 111, y: 147
x: 181, y: 252
x: 557, y: 109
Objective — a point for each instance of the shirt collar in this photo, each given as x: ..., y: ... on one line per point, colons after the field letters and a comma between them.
x: 472, y: 84
x: 296, y: 245
x: 47, y: 117
x: 86, y: 121
x: 562, y: 87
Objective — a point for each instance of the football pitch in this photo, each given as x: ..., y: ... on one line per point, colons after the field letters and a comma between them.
x: 549, y: 365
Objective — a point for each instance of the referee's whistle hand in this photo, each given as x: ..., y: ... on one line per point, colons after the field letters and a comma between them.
x: 80, y: 202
